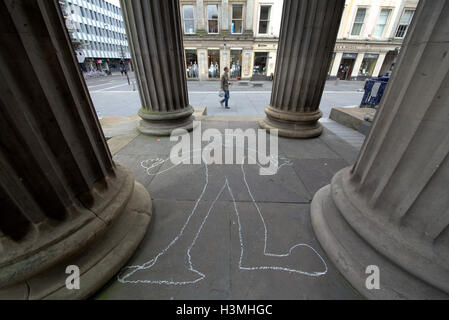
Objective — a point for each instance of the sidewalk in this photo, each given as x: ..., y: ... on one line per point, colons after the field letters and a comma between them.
x: 226, y: 232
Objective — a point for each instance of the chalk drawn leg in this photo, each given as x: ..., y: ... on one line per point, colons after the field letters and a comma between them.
x: 174, y: 265
x: 254, y: 240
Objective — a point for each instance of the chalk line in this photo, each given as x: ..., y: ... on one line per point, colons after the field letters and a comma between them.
x: 131, y: 270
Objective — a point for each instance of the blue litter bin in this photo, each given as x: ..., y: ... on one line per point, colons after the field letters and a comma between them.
x: 374, y: 90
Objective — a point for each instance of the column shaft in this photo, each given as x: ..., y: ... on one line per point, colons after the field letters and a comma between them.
x: 307, y: 39
x: 59, y: 188
x: 395, y: 197
x: 156, y: 41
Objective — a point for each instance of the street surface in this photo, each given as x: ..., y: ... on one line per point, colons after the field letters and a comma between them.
x: 224, y: 231
x: 113, y: 97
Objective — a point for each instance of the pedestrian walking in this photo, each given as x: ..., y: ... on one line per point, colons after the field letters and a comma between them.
x: 225, y: 87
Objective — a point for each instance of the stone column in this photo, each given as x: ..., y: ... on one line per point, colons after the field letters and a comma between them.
x: 250, y: 16
x: 247, y: 65
x: 199, y: 12
x: 156, y: 41
x: 357, y: 65
x: 225, y: 59
x: 203, y: 68
x: 226, y: 13
x: 63, y: 200
x: 379, y: 64
x: 307, y: 39
x: 337, y: 62
x: 391, y: 210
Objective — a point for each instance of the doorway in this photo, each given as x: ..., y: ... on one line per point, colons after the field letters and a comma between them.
x: 214, y: 64
x: 346, y: 66
x: 236, y: 64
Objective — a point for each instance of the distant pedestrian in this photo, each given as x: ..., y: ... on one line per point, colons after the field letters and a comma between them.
x: 225, y: 87
x: 122, y: 67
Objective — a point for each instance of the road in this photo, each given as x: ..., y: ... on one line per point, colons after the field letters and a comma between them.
x: 112, y: 96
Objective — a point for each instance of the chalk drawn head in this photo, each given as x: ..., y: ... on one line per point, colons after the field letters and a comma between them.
x: 152, y: 166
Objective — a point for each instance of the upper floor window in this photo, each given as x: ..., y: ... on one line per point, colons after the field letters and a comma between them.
x: 358, y: 22
x: 404, y: 23
x: 382, y: 23
x: 264, y: 20
x: 189, y: 19
x: 212, y: 18
x: 237, y: 18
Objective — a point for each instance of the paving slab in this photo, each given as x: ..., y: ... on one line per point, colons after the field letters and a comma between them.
x: 339, y: 146
x: 134, y: 163
x: 316, y: 173
x: 306, y: 149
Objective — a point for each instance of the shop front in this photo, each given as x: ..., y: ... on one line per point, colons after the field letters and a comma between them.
x: 236, y: 64
x: 260, y: 70
x: 346, y: 66
x: 368, y: 65
x: 192, y: 71
x: 213, y: 63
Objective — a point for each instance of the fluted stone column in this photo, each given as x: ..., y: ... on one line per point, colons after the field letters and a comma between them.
x: 391, y: 209
x: 156, y: 41
x: 307, y: 39
x: 63, y: 200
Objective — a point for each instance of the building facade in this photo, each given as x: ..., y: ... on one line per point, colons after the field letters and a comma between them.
x: 240, y: 34
x: 244, y: 35
x: 98, y: 33
x: 370, y: 37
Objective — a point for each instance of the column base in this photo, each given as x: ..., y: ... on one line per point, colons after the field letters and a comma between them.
x: 351, y: 252
x: 163, y: 123
x: 99, y: 241
x: 300, y: 125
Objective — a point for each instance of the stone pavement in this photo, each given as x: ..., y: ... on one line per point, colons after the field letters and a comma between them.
x: 226, y: 232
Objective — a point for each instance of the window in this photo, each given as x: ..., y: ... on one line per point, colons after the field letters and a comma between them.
x: 368, y: 64
x: 405, y: 21
x: 358, y: 22
x: 212, y: 17
x: 260, y: 63
x: 264, y: 20
x: 191, y: 64
x: 382, y: 22
x: 189, y: 19
x: 214, y: 63
x: 237, y: 18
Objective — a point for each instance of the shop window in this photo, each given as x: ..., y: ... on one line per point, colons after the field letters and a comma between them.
x: 404, y: 23
x: 236, y: 64
x: 191, y: 64
x: 189, y: 19
x: 358, y: 22
x: 237, y: 18
x: 260, y: 63
x: 264, y: 19
x: 346, y: 66
x: 214, y: 63
x: 212, y: 17
x: 368, y: 64
x: 382, y: 23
